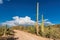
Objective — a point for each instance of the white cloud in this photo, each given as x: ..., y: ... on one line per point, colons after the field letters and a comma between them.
x: 1, y: 1
x: 19, y: 21
x: 24, y: 21
x: 47, y: 22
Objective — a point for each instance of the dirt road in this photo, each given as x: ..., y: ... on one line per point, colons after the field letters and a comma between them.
x: 27, y: 36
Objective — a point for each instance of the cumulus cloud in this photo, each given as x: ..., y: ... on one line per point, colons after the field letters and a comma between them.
x: 19, y: 21
x: 47, y: 22
x: 24, y: 21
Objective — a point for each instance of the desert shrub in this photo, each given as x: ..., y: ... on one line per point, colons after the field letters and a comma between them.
x: 49, y: 31
x: 31, y: 29
x: 1, y: 33
x: 52, y: 32
x: 5, y: 30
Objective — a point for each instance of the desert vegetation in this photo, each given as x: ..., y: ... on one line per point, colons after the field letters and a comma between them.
x: 52, y: 32
x: 5, y: 33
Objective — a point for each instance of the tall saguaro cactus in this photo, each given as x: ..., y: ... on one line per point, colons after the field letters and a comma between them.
x: 5, y: 30
x: 37, y: 30
x: 42, y: 26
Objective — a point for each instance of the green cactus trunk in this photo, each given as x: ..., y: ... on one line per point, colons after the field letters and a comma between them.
x: 42, y: 26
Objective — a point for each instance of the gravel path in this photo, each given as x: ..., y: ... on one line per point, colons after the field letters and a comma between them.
x: 21, y: 35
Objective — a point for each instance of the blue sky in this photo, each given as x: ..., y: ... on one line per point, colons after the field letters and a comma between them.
x: 49, y: 8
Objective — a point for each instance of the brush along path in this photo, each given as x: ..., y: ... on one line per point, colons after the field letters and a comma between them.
x: 21, y: 35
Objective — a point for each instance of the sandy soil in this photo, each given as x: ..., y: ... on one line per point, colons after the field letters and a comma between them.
x: 21, y: 35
